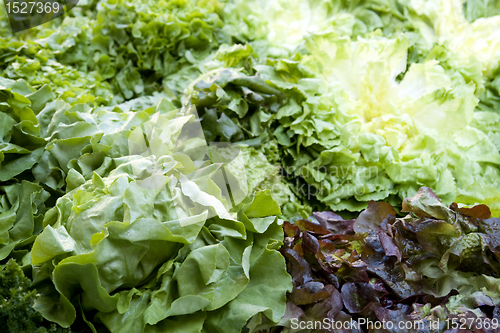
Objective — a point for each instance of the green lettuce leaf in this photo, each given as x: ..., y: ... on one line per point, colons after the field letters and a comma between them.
x: 22, y: 143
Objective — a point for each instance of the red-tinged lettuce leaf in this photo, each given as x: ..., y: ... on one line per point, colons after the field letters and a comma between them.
x: 400, y: 279
x: 310, y: 244
x: 356, y: 296
x: 346, y: 324
x: 328, y: 308
x: 291, y: 230
x: 436, y: 236
x: 478, y: 211
x: 492, y: 241
x: 434, y: 264
x: 309, y: 293
x: 387, y: 242
x: 372, y: 218
x: 395, y: 317
x: 323, y: 217
x: 315, y: 228
x: 469, y: 219
x: 406, y: 239
x: 469, y: 254
x: 350, y: 268
x: 297, y: 267
x: 341, y: 227
x: 292, y: 311
x: 489, y: 226
x: 335, y: 223
x: 426, y: 204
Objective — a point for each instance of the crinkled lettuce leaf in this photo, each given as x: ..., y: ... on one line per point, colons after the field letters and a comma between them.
x: 22, y: 142
x: 117, y: 51
x: 352, y: 123
x: 154, y: 242
x: 22, y: 206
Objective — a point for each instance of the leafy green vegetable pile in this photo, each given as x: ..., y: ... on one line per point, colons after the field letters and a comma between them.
x: 436, y: 263
x: 361, y: 120
x: 123, y: 123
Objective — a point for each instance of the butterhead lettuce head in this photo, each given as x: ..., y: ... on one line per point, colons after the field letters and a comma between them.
x: 154, y: 244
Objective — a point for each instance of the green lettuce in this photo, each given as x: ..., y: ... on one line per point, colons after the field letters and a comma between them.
x: 474, y: 9
x: 22, y: 203
x: 279, y: 28
x: 22, y: 142
x: 117, y: 51
x: 353, y: 122
x: 154, y: 242
x: 423, y: 123
x: 21, y: 214
x: 83, y: 140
